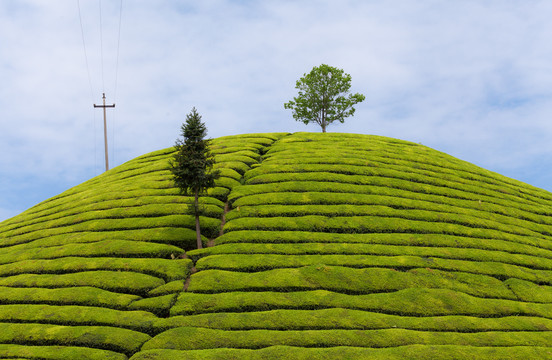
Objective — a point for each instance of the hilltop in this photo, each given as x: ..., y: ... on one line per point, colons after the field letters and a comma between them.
x: 319, y: 246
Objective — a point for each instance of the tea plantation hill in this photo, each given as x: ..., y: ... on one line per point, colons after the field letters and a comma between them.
x: 322, y: 246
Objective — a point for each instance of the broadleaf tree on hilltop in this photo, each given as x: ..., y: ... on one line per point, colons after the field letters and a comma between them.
x: 324, y: 97
x: 192, y: 163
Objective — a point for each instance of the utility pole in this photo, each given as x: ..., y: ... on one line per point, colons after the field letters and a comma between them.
x: 104, y: 106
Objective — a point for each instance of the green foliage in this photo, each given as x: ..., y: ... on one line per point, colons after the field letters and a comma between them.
x: 430, y: 214
x: 336, y: 318
x: 163, y: 268
x: 347, y: 280
x: 373, y: 224
x: 169, y: 288
x: 413, y: 352
x: 323, y: 97
x: 78, y: 315
x: 192, y: 160
x: 80, y: 295
x: 159, y: 305
x: 257, y: 262
x: 302, y: 242
x: 193, y: 163
x: 107, y: 338
x: 58, y: 352
x: 124, y: 282
x: 530, y: 291
x: 190, y: 338
x: 406, y: 302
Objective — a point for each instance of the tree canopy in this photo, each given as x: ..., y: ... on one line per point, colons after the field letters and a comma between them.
x: 192, y: 163
x: 324, y: 97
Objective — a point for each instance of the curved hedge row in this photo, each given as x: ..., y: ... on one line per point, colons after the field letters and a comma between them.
x: 414, y: 352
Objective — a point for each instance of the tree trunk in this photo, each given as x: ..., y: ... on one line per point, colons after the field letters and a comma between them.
x: 198, y: 230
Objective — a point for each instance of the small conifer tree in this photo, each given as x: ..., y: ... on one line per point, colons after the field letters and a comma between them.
x: 193, y: 162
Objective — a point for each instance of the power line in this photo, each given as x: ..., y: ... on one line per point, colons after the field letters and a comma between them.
x: 101, y: 47
x: 104, y: 106
x: 91, y: 88
x: 118, y: 46
x: 85, y: 55
x: 116, y: 81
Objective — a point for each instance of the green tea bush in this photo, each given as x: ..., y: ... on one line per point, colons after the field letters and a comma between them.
x: 162, y: 268
x: 210, y: 225
x: 218, y: 148
x: 384, y: 187
x: 168, y: 288
x: 406, y: 302
x: 80, y: 295
x: 121, y: 204
x: 529, y: 291
x: 190, y: 338
x: 159, y: 305
x: 122, y: 282
x: 105, y: 248
x: 342, y: 204
x: 100, y: 337
x: 228, y: 183
x: 177, y: 236
x: 429, y: 215
x: 347, y: 280
x: 227, y: 173
x: 372, y: 224
x: 336, y: 318
x: 247, y: 159
x: 58, y: 352
x: 430, y: 251
x: 78, y: 315
x: 238, y: 166
x: 258, y: 262
x: 414, y: 352
x: 409, y: 164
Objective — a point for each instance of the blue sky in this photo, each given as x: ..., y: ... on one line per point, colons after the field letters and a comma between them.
x: 467, y: 77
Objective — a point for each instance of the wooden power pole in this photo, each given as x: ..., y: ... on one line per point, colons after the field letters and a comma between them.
x: 104, y: 106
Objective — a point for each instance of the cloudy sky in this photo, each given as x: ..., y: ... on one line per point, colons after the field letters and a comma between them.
x: 470, y: 78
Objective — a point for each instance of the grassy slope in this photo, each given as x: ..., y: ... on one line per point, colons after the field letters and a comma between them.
x: 334, y: 245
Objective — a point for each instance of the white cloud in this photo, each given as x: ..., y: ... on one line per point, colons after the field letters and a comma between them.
x: 470, y: 78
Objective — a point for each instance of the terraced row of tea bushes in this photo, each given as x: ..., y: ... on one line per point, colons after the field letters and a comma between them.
x: 182, y: 338
x: 57, y: 352
x: 357, y: 162
x: 464, y: 190
x: 414, y: 352
x: 337, y: 204
x: 347, y: 280
x: 250, y: 263
x: 106, y: 338
x: 373, y: 246
x: 340, y: 212
x: 300, y: 242
x: 373, y: 190
x: 391, y: 152
x: 89, y: 273
x: 418, y: 302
